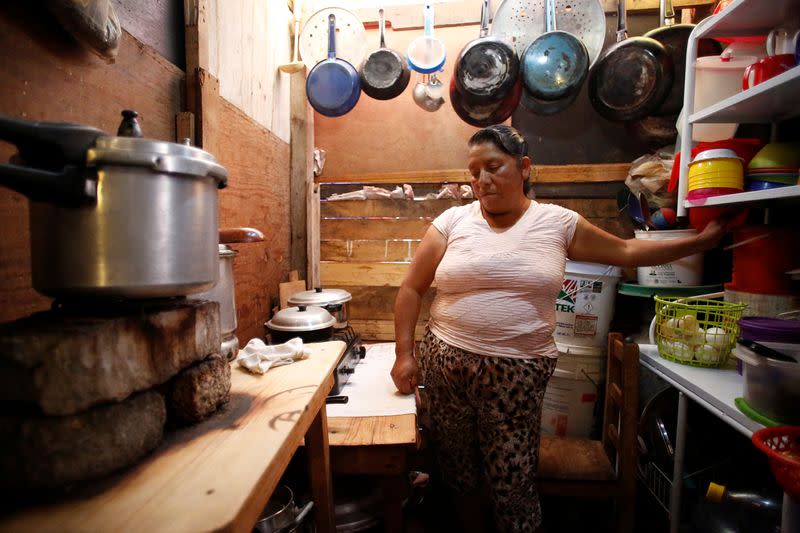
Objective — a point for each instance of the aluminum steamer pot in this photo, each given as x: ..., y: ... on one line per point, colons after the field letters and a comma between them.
x: 310, y: 323
x: 224, y: 291
x: 115, y: 217
x: 332, y: 300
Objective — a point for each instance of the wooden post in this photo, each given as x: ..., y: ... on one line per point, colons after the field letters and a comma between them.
x: 300, y: 155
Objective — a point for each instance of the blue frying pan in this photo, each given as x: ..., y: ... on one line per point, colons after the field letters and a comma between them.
x: 333, y: 85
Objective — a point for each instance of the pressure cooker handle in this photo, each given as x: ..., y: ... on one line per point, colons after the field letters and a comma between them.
x: 240, y: 235
x: 69, y: 187
x: 49, y: 145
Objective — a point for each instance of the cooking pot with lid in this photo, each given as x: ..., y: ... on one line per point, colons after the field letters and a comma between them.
x: 332, y: 300
x: 115, y: 217
x: 311, y: 323
x: 224, y: 291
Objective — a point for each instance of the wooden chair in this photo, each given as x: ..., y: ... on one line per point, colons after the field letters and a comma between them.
x: 584, y: 468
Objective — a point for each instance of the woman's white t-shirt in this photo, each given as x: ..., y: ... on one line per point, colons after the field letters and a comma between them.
x: 496, y: 289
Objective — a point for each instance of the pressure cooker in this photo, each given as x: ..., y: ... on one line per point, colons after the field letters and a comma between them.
x: 115, y: 216
x: 311, y: 323
x: 332, y: 300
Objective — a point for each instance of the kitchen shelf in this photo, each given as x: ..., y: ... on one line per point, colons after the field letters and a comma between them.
x: 790, y: 194
x: 748, y: 17
x: 771, y: 101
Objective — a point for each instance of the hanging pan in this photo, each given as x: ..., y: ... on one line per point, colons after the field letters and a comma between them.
x: 546, y: 107
x: 674, y: 37
x: 426, y: 54
x: 555, y: 65
x: 487, y: 68
x: 384, y: 74
x: 333, y: 85
x: 632, y: 78
x: 351, y: 42
x: 485, y: 114
x: 519, y: 22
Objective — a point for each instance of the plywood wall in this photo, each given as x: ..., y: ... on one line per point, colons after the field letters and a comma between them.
x: 246, y: 41
x: 45, y: 75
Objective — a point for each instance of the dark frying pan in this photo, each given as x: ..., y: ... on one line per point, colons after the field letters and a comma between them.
x: 555, y: 64
x: 333, y: 85
x: 654, y: 131
x: 482, y: 115
x: 487, y: 68
x: 632, y: 78
x: 546, y: 107
x: 384, y: 73
x: 674, y: 38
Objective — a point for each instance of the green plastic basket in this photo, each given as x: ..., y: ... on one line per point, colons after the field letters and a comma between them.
x: 684, y: 331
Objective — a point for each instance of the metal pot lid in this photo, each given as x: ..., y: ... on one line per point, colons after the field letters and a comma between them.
x: 321, y: 297
x: 301, y: 318
x: 159, y: 156
x: 226, y: 251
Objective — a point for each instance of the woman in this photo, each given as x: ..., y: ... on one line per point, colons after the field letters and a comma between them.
x: 488, y: 351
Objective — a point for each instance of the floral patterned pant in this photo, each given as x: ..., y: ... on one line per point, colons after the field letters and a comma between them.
x: 485, y: 417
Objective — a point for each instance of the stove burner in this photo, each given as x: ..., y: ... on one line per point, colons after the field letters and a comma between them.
x: 352, y: 355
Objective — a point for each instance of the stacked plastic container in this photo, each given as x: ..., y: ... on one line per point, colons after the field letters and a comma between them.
x: 584, y: 308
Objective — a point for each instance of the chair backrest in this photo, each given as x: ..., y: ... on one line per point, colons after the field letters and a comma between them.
x: 620, y: 418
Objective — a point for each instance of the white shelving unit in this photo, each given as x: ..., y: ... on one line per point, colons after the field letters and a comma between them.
x: 774, y: 100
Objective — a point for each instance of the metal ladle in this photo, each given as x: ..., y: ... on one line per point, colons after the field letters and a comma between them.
x: 428, y: 93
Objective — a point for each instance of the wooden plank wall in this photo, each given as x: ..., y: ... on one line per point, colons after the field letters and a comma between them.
x: 45, y: 75
x: 366, y: 245
x: 257, y: 196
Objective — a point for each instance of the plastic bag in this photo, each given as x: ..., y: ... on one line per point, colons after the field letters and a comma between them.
x: 93, y: 23
x: 650, y: 176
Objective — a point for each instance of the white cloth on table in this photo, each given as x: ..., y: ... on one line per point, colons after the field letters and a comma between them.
x: 258, y: 357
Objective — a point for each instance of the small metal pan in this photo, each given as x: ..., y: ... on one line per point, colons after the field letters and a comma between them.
x: 384, y: 73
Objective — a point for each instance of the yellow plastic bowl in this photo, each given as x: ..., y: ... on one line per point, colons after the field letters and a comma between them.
x: 716, y: 180
x: 723, y: 172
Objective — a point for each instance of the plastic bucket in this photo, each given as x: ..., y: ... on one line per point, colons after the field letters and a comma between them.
x: 585, y: 304
x: 570, y: 400
x: 685, y: 272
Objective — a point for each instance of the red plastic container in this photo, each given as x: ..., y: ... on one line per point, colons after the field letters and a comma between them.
x: 699, y: 217
x: 781, y: 445
x: 760, y: 265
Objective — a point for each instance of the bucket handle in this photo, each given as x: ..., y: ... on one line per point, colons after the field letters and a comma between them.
x: 652, y: 329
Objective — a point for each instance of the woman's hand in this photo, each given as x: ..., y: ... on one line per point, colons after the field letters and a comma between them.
x: 713, y: 233
x: 404, y: 373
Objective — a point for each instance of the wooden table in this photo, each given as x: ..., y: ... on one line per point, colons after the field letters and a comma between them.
x: 219, y: 474
x: 380, y: 446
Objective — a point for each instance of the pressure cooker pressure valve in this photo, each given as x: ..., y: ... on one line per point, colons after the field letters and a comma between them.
x: 129, y: 127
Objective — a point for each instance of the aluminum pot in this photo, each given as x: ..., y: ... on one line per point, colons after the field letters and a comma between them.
x: 332, y: 300
x: 311, y: 323
x: 281, y: 514
x: 224, y: 291
x: 115, y: 217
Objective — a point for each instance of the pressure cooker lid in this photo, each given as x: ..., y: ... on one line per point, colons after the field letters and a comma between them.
x: 159, y: 156
x: 321, y: 297
x: 301, y: 318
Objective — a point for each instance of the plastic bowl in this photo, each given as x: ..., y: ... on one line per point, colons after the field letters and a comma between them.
x: 724, y: 172
x: 715, y: 153
x: 787, y: 179
x: 707, y: 192
x: 783, y: 155
x: 716, y: 182
x: 757, y: 185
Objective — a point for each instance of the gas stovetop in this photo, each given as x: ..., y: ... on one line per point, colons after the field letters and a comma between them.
x: 352, y: 355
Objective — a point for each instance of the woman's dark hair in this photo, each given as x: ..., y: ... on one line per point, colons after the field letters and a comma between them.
x: 507, y: 139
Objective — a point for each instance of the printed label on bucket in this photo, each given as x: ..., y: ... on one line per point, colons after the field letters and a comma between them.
x: 662, y: 275
x: 575, y: 307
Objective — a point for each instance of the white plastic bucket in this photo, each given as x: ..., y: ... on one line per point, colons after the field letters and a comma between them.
x: 585, y: 304
x: 685, y: 272
x: 570, y: 400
